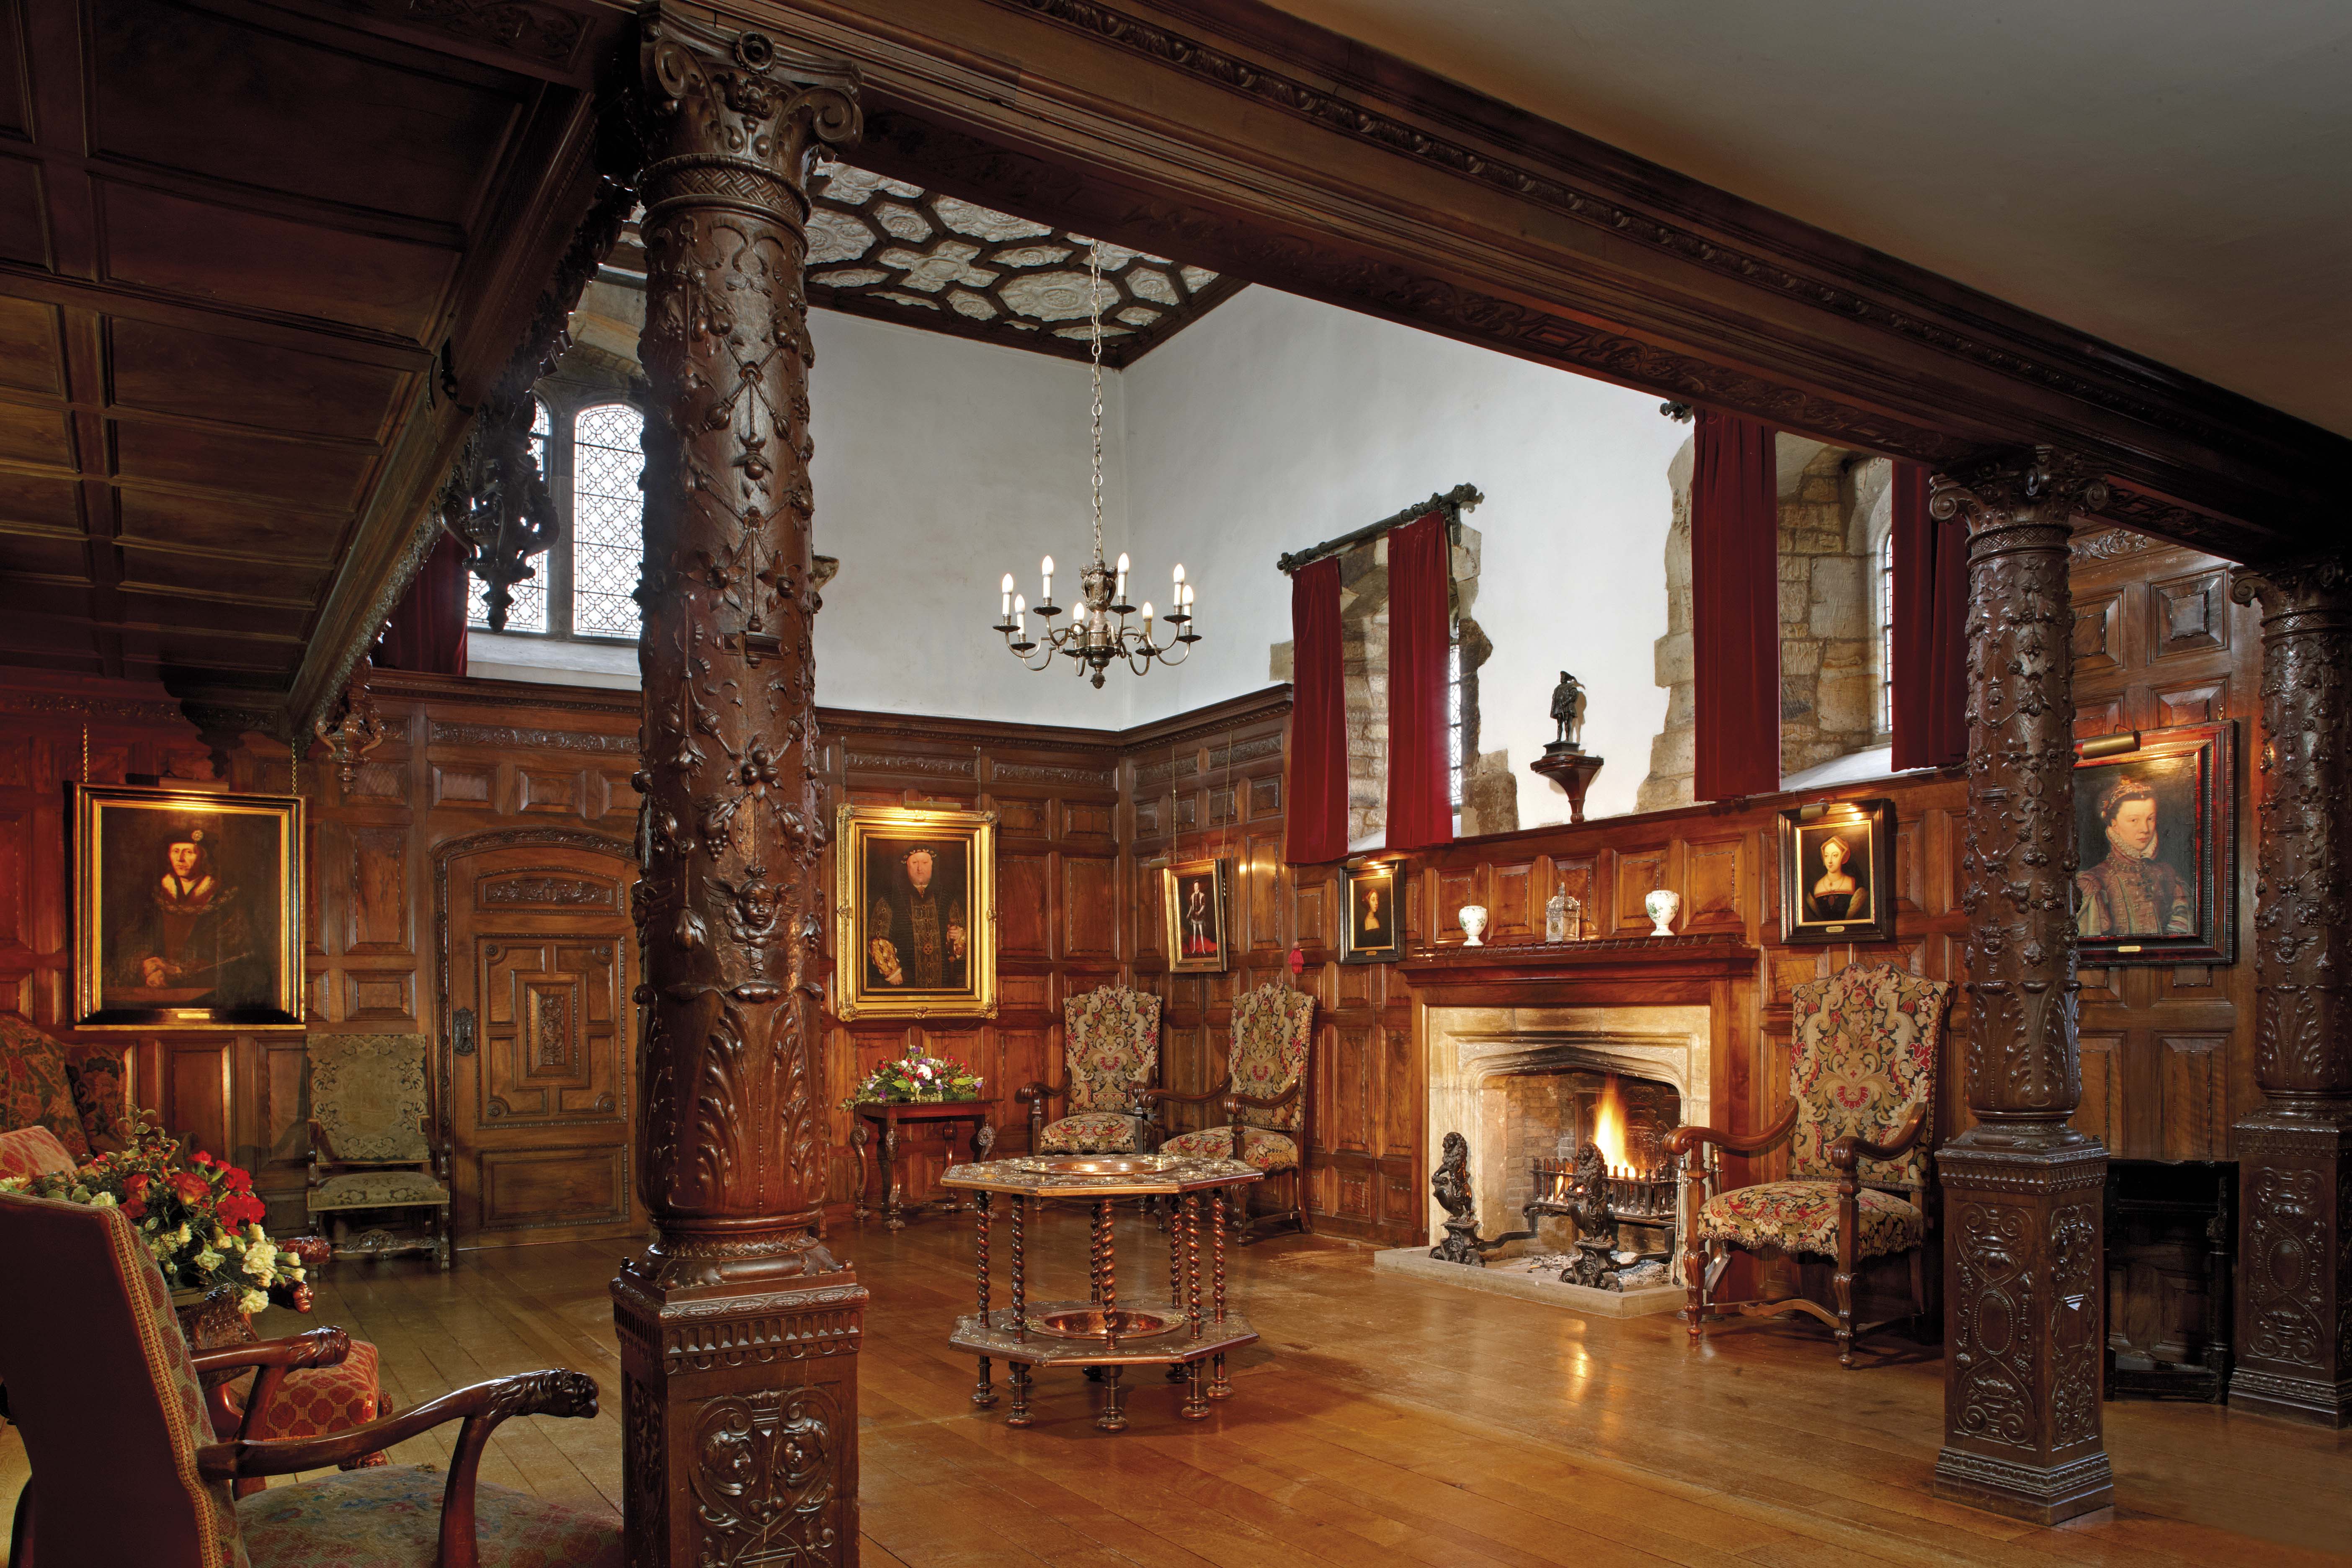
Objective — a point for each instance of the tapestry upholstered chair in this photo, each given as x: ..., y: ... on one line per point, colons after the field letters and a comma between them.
x: 1110, y: 1052
x: 1862, y: 1101
x: 308, y: 1401
x: 78, y: 1092
x: 107, y: 1396
x: 373, y: 1144
x: 1265, y: 1102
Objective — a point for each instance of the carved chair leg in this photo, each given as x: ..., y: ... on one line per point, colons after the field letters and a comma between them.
x: 1849, y: 1223
x: 1694, y: 1255
x: 1919, y: 1328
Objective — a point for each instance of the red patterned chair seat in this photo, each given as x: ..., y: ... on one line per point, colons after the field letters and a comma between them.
x: 1089, y: 1132
x: 1802, y: 1217
x: 1261, y: 1148
x: 390, y: 1518
x: 320, y: 1400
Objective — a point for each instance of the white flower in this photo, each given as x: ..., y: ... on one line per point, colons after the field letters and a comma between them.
x: 294, y: 1272
x: 209, y: 1260
x: 179, y: 1238
x: 259, y: 1258
x: 252, y: 1301
x: 101, y: 1200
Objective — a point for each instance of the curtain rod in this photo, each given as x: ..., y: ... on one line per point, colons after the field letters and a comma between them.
x: 1452, y: 503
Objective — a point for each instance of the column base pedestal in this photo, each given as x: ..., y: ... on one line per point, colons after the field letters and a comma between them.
x: 2023, y: 1322
x: 2026, y: 1491
x: 2294, y: 1277
x: 739, y: 1420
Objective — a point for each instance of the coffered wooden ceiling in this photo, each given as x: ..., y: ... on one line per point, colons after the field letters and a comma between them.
x: 251, y: 261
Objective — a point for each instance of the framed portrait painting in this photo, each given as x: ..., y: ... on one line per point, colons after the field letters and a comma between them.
x: 1837, y: 872
x: 187, y: 909
x: 916, y: 913
x: 1374, y: 931
x: 2156, y: 846
x: 1193, y: 896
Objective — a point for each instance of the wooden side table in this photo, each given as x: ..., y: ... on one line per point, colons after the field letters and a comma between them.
x: 886, y: 1115
x: 1189, y: 1336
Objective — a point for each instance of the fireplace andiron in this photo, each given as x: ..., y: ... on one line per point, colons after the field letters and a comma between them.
x: 1585, y: 1192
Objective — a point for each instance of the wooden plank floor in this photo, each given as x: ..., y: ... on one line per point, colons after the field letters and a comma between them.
x: 1382, y: 1421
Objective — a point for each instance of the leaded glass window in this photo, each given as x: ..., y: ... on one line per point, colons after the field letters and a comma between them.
x: 608, y: 519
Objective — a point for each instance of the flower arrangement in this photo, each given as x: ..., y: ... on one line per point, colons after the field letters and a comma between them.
x: 201, y: 1220
x: 916, y: 1077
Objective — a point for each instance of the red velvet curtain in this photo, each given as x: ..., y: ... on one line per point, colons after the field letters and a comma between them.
x: 1931, y: 652
x: 1421, y: 797
x: 428, y: 630
x: 1315, y: 824
x: 1735, y: 608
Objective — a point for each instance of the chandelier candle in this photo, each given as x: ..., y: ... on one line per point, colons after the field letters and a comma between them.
x: 1094, y: 640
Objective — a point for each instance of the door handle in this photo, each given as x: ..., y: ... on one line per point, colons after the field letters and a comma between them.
x: 461, y: 1032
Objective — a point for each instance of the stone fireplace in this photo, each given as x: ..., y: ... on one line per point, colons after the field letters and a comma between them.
x: 1522, y: 1083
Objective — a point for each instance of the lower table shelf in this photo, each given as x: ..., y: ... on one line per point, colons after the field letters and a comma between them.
x: 1072, y: 1335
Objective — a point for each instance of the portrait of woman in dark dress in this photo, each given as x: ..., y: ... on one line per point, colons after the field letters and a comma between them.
x: 1842, y: 892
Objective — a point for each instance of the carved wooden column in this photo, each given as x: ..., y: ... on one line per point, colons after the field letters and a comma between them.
x: 739, y: 1331
x: 2021, y: 1190
x: 2294, y: 1156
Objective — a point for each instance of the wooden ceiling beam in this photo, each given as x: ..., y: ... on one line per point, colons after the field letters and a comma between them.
x: 1248, y: 141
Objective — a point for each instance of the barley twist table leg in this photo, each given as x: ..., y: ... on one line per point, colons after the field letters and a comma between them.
x: 1019, y: 1415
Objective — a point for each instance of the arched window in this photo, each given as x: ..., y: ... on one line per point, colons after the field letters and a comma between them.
x: 1884, y: 599
x: 608, y: 519
x: 527, y: 612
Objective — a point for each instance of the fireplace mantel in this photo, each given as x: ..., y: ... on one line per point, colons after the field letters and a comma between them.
x: 1537, y: 972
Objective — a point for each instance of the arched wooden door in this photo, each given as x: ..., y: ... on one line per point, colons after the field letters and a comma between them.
x: 539, y: 1040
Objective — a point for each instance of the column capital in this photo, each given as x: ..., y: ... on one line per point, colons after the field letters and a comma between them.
x: 736, y: 118
x: 2017, y: 487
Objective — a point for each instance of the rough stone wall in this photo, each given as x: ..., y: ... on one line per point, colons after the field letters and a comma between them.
x: 1833, y: 512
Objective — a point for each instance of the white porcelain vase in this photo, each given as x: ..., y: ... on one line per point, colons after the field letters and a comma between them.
x: 1663, y: 905
x: 1473, y: 925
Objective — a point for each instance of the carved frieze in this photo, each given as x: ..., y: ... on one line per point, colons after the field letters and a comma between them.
x: 549, y: 889
x: 510, y: 737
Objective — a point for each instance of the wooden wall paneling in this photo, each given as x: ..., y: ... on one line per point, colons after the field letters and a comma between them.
x: 1717, y: 880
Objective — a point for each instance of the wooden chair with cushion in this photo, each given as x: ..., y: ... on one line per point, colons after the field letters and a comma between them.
x: 1264, y: 1102
x: 77, y: 1092
x: 1111, y: 1051
x: 308, y: 1401
x: 374, y: 1145
x: 108, y: 1397
x: 1861, y: 1100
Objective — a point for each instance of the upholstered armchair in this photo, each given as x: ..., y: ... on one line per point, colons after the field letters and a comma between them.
x: 308, y: 1401
x: 1111, y: 1051
x: 1862, y: 1101
x: 77, y: 1092
x: 1265, y: 1102
x: 110, y: 1401
x: 374, y: 1145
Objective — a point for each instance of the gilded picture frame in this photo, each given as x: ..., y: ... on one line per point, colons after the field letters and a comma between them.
x: 187, y: 909
x: 2156, y: 815
x: 1837, y: 872
x: 1372, y: 928
x: 915, y: 912
x: 1193, y: 898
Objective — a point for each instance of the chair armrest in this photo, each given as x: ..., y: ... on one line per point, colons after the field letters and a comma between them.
x: 322, y: 1148
x: 1848, y: 1153
x: 1685, y: 1141
x: 1038, y: 1091
x: 1237, y: 1099
x: 275, y: 1358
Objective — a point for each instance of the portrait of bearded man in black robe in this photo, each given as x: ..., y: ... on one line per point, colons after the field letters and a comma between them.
x: 918, y: 933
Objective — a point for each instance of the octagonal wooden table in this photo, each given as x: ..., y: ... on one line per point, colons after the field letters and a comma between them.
x: 1189, y: 1333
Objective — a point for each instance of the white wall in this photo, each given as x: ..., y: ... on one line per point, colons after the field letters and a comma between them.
x: 941, y: 464
x: 1275, y: 422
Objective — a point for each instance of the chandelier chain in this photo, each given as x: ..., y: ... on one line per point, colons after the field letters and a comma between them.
x: 1094, y: 341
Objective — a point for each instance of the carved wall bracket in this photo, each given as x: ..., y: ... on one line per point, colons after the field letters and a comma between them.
x: 357, y: 731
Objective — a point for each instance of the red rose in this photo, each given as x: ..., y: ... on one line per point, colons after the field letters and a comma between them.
x: 134, y: 1185
x: 200, y: 1158
x: 236, y: 1180
x: 191, y: 1187
x: 243, y: 1208
x: 136, y: 1208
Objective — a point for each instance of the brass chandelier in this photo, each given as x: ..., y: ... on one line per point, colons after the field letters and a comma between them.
x: 1094, y: 640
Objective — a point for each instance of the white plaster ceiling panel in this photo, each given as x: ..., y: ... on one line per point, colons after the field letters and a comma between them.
x: 2168, y: 175
x: 879, y: 246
